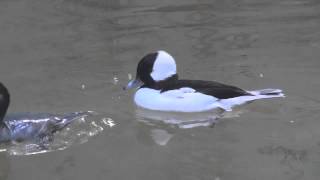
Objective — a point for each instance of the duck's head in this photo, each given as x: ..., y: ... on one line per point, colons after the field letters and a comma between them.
x: 4, y: 101
x: 154, y: 68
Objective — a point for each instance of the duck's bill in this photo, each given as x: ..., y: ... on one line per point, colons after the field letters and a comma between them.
x: 133, y: 84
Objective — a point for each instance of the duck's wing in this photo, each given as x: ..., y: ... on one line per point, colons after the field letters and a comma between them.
x: 216, y: 89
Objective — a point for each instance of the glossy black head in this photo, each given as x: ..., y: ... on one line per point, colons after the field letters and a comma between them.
x: 145, y: 68
x: 154, y: 68
x: 4, y: 101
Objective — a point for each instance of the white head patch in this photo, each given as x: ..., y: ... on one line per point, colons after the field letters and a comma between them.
x: 163, y: 67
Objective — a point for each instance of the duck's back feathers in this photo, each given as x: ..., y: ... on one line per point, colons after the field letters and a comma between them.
x: 212, y: 88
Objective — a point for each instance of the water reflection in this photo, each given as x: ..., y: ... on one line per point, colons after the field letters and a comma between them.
x: 185, y: 120
x: 162, y: 124
x: 176, y: 119
x: 161, y: 136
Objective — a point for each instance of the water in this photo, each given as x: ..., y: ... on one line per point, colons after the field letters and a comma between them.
x: 62, y: 56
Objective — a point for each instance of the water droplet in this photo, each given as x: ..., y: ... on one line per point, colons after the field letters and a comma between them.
x: 115, y: 80
x: 109, y: 122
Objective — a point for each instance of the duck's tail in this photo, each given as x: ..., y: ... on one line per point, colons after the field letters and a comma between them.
x: 227, y: 104
x: 267, y: 93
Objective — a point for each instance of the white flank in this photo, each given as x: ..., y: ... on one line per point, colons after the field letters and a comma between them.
x: 188, y: 100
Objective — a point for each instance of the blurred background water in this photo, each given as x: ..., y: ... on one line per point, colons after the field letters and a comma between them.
x: 63, y: 56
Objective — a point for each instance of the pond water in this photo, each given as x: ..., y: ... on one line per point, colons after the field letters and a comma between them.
x: 60, y: 56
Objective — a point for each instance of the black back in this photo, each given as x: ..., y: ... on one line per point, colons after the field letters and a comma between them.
x: 216, y: 89
x: 4, y: 101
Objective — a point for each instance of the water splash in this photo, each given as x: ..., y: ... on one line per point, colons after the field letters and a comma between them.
x: 115, y: 80
x: 85, y: 126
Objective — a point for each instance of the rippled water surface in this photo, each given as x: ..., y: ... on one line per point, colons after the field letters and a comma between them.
x: 59, y: 56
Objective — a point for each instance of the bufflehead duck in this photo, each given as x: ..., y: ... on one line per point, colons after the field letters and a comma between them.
x: 27, y: 126
x: 160, y: 89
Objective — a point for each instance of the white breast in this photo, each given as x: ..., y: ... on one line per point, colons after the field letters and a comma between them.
x: 183, y: 100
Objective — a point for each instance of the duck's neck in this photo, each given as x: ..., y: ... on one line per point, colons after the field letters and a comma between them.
x: 4, y: 130
x: 4, y: 102
x: 4, y: 133
x: 161, y: 84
